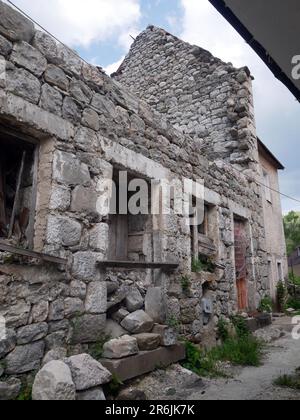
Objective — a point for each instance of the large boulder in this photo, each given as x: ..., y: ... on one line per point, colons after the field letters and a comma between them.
x: 134, y: 300
x: 54, y: 383
x: 137, y: 322
x: 119, y: 348
x: 88, y: 329
x: 87, y: 373
x: 14, y: 26
x: 155, y: 304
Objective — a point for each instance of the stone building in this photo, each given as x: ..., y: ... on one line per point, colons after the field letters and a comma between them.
x: 275, y: 237
x: 72, y: 273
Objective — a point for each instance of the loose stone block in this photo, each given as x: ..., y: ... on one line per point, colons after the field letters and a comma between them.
x: 121, y: 347
x: 134, y: 300
x: 138, y: 322
x: 168, y: 335
x: 144, y: 362
x: 54, y: 383
x: 87, y: 372
x: 114, y: 330
x: 147, y: 342
x: 58, y: 353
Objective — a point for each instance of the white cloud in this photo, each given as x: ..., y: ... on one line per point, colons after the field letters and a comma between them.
x: 79, y: 23
x: 112, y: 68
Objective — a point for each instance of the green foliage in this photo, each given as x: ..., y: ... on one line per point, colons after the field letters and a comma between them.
x: 96, y: 349
x: 281, y: 294
x: 202, y: 264
x: 293, y: 303
x: 241, y: 351
x: 241, y: 327
x: 295, y: 280
x: 26, y: 393
x: 223, y: 332
x: 185, y: 284
x: 115, y: 385
x: 173, y: 322
x: 246, y: 351
x: 266, y: 305
x: 288, y: 381
x: 292, y: 231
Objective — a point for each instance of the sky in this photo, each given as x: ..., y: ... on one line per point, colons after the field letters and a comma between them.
x: 102, y: 30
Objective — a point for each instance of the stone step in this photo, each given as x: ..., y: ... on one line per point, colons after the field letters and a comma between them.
x: 144, y: 362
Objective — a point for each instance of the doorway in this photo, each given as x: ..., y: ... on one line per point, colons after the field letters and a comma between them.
x: 240, y: 247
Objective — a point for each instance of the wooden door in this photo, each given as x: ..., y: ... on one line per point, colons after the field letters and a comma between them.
x: 240, y: 245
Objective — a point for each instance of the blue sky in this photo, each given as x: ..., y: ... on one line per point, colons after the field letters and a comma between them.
x: 100, y: 31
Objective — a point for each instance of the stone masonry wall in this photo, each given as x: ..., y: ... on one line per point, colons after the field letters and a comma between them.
x: 198, y: 93
x: 87, y: 125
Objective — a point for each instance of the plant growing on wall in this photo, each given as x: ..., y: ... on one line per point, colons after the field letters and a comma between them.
x: 266, y: 305
x: 202, y: 264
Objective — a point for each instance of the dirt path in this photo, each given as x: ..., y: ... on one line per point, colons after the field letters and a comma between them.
x: 282, y: 357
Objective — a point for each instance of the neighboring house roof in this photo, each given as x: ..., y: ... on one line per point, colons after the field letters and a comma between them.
x: 263, y: 150
x: 272, y: 29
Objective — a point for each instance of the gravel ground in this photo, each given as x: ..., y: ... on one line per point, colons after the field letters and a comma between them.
x: 282, y: 357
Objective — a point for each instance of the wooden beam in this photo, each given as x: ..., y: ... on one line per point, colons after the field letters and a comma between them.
x: 31, y: 254
x: 30, y: 231
x: 139, y: 265
x: 17, y: 195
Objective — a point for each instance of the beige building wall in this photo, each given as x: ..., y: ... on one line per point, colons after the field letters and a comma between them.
x: 275, y: 237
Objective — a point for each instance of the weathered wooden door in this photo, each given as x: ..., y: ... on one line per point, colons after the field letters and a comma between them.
x: 240, y: 244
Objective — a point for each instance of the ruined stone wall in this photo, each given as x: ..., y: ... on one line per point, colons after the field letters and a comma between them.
x: 198, y: 93
x: 87, y: 125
